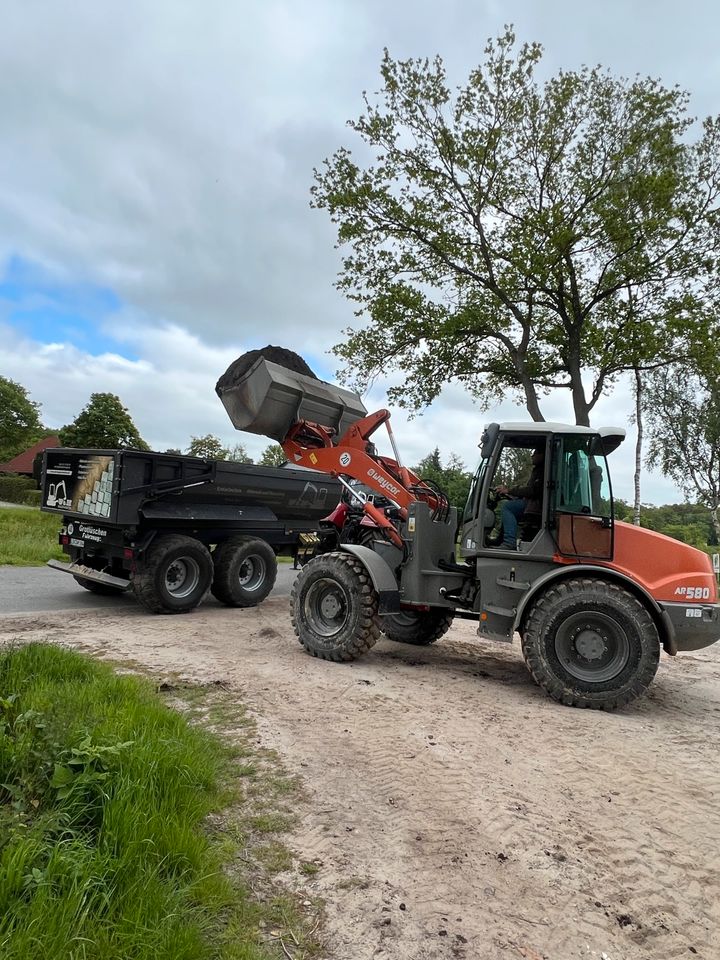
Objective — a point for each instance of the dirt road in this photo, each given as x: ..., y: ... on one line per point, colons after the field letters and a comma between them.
x: 454, y: 809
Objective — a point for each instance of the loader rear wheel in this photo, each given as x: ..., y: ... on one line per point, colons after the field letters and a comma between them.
x: 175, y: 575
x: 590, y: 643
x: 245, y: 571
x: 417, y: 627
x: 333, y: 607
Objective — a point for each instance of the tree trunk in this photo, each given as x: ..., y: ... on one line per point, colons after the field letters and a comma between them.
x: 531, y: 400
x: 715, y: 514
x: 580, y: 404
x: 638, y: 444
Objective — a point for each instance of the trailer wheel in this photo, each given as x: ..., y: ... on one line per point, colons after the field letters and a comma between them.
x: 245, y: 571
x: 102, y: 589
x: 417, y: 627
x: 175, y: 575
x: 590, y: 643
x: 333, y: 607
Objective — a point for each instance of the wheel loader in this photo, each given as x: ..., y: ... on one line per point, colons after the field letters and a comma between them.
x: 593, y: 599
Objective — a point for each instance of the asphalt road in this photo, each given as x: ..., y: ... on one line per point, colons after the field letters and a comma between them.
x: 32, y: 589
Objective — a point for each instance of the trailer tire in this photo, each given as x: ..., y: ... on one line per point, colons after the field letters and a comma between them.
x: 591, y: 643
x: 245, y: 571
x: 417, y: 627
x: 334, y: 607
x: 175, y: 575
x: 101, y: 589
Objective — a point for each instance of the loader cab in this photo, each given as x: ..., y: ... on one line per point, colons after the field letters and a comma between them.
x: 573, y: 515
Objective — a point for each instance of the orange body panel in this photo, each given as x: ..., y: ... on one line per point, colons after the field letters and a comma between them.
x: 668, y: 569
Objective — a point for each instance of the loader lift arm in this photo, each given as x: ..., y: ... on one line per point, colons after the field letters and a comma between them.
x: 353, y: 455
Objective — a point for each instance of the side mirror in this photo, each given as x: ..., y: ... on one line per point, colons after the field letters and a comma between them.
x: 488, y: 440
x: 606, y: 441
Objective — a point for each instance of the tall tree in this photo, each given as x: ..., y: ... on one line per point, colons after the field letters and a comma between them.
x: 20, y: 425
x: 273, y: 456
x: 638, y: 418
x: 496, y: 235
x: 238, y: 454
x: 208, y: 447
x: 682, y: 412
x: 103, y: 422
x: 453, y: 479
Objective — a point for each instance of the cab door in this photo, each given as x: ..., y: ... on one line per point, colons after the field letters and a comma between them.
x: 581, y: 505
x: 473, y: 532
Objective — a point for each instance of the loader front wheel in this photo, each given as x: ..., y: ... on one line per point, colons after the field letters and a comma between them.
x: 334, y: 607
x: 590, y: 643
x: 417, y: 627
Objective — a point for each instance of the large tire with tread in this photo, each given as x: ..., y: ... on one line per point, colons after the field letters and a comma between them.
x: 334, y: 607
x: 101, y: 589
x: 417, y: 627
x: 245, y: 571
x: 175, y: 575
x: 591, y: 643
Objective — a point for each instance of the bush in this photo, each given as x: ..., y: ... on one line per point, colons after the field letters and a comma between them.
x: 14, y: 487
x: 32, y: 498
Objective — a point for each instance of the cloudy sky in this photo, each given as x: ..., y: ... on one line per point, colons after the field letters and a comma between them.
x: 155, y: 166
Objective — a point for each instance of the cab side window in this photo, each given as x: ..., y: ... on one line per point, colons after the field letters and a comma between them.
x: 581, y: 485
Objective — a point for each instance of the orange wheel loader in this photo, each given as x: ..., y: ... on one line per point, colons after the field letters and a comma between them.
x: 594, y: 600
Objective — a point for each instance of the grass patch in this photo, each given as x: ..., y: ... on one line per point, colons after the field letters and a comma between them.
x: 117, y: 837
x: 28, y: 537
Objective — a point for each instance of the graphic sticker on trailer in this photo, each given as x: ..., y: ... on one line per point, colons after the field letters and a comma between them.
x: 81, y: 486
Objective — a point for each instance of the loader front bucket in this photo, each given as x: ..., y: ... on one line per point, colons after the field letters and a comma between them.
x: 268, y: 399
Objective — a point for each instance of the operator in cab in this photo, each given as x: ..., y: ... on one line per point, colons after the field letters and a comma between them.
x: 528, y: 499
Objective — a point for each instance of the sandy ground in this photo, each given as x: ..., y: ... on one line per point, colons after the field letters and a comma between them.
x: 454, y: 810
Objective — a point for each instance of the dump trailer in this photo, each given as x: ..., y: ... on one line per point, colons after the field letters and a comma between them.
x: 171, y: 528
x: 594, y: 600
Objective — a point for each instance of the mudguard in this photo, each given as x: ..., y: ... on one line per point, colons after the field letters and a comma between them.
x: 386, y: 586
x: 659, y: 615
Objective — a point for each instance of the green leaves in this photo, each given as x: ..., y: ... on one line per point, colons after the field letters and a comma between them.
x: 85, y: 767
x: 211, y: 447
x: 682, y: 409
x: 104, y: 423
x: 20, y: 425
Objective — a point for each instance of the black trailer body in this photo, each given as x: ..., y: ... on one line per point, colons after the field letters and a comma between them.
x: 172, y: 527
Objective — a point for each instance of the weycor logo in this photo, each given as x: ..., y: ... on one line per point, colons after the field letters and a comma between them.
x: 382, y: 482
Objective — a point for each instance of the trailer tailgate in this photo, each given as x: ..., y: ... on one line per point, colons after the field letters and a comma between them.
x: 81, y: 483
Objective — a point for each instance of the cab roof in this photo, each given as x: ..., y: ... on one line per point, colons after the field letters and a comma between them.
x: 526, y: 433
x: 547, y: 426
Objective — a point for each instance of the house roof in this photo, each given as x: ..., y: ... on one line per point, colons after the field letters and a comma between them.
x: 23, y: 462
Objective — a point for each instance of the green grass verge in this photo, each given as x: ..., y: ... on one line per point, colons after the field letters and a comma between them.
x: 105, y: 849
x: 28, y: 537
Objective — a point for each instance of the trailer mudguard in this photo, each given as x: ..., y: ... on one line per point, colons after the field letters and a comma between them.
x: 384, y: 581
